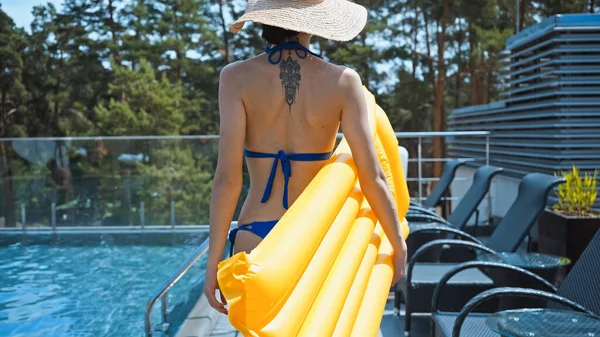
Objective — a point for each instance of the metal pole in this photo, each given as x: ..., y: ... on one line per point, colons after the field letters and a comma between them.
x: 142, y: 215
x: 173, y: 214
x: 420, y: 169
x: 164, y: 302
x: 23, y: 219
x: 489, y: 194
x: 53, y: 216
x: 487, y: 150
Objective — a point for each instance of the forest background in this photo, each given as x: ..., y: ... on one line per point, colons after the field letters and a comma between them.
x: 151, y: 67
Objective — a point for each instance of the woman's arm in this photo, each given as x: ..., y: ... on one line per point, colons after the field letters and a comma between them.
x: 227, y: 183
x: 373, y: 182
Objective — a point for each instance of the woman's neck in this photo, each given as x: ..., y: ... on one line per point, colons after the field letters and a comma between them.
x: 302, y: 39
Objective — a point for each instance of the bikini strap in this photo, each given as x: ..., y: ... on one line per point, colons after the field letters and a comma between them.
x: 286, y: 167
x: 301, y: 51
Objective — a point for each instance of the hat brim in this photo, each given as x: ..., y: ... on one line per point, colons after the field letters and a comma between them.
x: 339, y: 20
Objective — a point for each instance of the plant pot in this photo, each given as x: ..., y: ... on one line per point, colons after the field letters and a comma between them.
x: 564, y: 235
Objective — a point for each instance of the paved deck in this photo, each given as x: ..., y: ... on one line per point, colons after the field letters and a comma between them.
x: 392, y: 325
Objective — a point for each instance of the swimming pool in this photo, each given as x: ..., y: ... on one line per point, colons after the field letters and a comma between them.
x: 94, y: 290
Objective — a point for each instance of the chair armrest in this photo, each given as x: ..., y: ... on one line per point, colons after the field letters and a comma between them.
x: 435, y: 243
x: 443, y: 228
x: 482, y: 264
x: 419, y: 209
x: 426, y: 217
x: 516, y: 292
x: 414, y: 203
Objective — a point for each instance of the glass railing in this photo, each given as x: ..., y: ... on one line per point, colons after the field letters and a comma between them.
x: 120, y: 181
x: 140, y: 182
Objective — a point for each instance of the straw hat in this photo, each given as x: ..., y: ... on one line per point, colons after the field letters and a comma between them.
x: 339, y: 20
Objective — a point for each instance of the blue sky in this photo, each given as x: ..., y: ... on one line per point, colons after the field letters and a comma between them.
x: 20, y: 10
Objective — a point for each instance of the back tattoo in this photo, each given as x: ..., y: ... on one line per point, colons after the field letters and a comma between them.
x: 289, y: 73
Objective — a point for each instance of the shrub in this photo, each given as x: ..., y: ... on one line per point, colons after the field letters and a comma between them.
x: 577, y: 195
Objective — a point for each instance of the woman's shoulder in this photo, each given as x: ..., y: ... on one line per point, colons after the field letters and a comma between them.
x: 348, y: 79
x: 242, y: 67
x: 339, y: 75
x: 349, y: 75
x: 235, y: 73
x: 231, y: 67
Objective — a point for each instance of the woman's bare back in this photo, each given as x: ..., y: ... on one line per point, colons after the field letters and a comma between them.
x: 306, y: 120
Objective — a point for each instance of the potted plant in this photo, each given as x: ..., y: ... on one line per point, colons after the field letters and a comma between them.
x: 567, y: 227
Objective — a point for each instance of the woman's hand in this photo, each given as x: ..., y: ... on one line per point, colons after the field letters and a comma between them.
x: 399, y: 261
x: 210, y: 287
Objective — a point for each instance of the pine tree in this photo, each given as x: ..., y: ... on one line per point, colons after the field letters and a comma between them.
x: 12, y: 96
x: 63, y: 70
x: 440, y: 95
x: 551, y: 7
x: 139, y: 18
x: 12, y: 91
x: 151, y: 105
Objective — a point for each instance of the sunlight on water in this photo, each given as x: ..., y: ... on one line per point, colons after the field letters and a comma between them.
x: 84, y: 291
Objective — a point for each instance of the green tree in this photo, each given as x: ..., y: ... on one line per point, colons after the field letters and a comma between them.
x: 12, y: 97
x: 139, y: 18
x: 148, y: 106
x: 175, y: 174
x: 552, y: 7
x: 64, y: 73
x: 368, y: 49
x: 13, y: 94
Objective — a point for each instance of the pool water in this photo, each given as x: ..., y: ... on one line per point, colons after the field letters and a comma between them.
x: 68, y: 291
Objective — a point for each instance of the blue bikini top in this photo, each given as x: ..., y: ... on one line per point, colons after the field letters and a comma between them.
x: 285, y: 158
x: 301, y: 51
x: 286, y: 168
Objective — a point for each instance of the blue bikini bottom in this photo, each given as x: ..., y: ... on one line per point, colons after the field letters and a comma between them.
x: 260, y: 228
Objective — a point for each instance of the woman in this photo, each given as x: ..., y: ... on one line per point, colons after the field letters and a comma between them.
x: 284, y: 109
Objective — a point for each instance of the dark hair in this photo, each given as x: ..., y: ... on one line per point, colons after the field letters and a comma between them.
x: 276, y: 35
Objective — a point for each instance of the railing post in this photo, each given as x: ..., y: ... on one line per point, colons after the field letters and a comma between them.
x: 487, y: 150
x: 164, y: 300
x: 172, y: 214
x: 142, y: 215
x: 148, y: 322
x: 419, y: 168
x: 23, y: 219
x: 489, y: 194
x: 53, y: 216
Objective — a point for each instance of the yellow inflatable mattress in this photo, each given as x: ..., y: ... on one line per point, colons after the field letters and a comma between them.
x: 325, y: 269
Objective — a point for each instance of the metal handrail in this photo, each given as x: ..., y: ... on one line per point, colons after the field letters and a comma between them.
x: 208, y: 137
x: 164, y: 291
x: 440, y: 134
x: 85, y: 138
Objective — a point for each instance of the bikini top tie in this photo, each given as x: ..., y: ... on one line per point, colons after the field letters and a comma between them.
x: 286, y: 168
x: 301, y: 51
